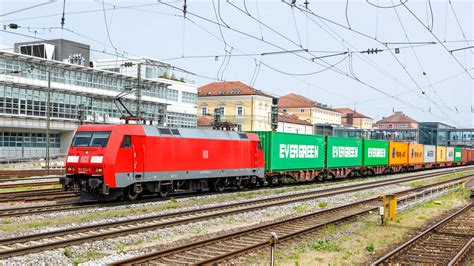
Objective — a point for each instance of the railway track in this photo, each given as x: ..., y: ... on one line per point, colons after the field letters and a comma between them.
x: 35, y: 195
x: 8, y: 174
x: 28, y: 179
x: 61, y: 238
x: 232, y: 245
x: 55, y: 194
x: 29, y: 184
x: 449, y: 242
x: 73, y: 206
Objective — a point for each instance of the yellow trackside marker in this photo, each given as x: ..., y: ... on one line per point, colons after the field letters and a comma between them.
x: 392, y: 211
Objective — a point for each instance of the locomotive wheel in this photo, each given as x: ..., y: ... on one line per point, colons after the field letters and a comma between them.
x: 242, y: 184
x: 164, y: 191
x: 219, y: 185
x: 131, y: 195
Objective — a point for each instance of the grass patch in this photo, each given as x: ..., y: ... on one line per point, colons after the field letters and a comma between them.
x: 370, y: 247
x: 67, y: 252
x: 300, y: 208
x: 326, y: 245
x: 87, y: 256
x: 361, y: 242
x: 438, y: 179
x: 322, y: 204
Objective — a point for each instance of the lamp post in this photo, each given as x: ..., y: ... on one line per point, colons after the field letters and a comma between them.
x: 48, y: 121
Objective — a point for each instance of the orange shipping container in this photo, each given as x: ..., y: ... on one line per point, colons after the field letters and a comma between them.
x: 398, y: 153
x: 416, y: 155
x: 440, y: 154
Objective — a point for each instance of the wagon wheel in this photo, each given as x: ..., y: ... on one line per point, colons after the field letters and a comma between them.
x: 320, y: 177
x: 130, y: 194
x: 219, y: 185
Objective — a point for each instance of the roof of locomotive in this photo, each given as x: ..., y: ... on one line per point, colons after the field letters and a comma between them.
x: 155, y: 131
x: 196, y: 133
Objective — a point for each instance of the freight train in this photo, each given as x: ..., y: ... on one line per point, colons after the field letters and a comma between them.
x: 127, y: 161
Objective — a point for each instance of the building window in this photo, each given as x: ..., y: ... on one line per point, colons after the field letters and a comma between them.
x: 239, y: 127
x: 222, y: 110
x: 240, y: 111
x: 204, y: 110
x: 302, y: 110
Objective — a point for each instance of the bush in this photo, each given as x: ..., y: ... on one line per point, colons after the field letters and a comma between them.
x: 370, y: 247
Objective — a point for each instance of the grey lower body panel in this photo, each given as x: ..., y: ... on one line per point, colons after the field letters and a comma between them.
x: 126, y: 179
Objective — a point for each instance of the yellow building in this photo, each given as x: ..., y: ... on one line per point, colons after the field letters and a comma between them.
x: 355, y: 119
x: 306, y: 109
x: 248, y: 108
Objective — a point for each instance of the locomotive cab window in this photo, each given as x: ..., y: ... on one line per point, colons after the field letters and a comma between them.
x: 99, y: 139
x: 91, y: 139
x: 82, y: 139
x: 126, y: 142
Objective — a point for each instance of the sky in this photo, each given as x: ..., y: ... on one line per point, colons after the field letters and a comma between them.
x: 319, y: 52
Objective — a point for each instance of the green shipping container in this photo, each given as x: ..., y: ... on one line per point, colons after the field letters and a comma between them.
x: 343, y: 152
x: 375, y: 152
x: 457, y: 154
x: 289, y: 151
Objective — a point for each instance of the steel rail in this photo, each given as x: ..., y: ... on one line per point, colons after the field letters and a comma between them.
x: 18, y: 245
x: 389, y: 257
x: 247, y: 242
x: 72, y: 206
x: 464, y: 254
x: 20, y: 179
x: 35, y: 195
x: 29, y: 184
x: 6, y: 174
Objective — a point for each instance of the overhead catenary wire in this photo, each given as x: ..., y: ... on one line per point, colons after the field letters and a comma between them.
x: 459, y: 24
x: 107, y: 28
x: 28, y: 8
x: 423, y: 72
x: 107, y: 53
x: 260, y: 25
x: 436, y: 37
x: 355, y: 31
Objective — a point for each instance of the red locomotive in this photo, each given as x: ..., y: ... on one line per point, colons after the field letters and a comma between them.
x: 126, y: 161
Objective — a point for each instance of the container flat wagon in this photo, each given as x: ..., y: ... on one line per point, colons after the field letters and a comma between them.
x: 416, y: 157
x: 375, y: 157
x: 344, y: 157
x: 398, y: 159
x: 292, y: 156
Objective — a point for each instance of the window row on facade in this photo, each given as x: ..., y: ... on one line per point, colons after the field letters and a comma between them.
x: 26, y: 139
x: 90, y: 79
x: 32, y: 102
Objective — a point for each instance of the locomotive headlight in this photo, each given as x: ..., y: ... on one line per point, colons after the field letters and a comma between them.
x: 98, y: 170
x: 70, y: 169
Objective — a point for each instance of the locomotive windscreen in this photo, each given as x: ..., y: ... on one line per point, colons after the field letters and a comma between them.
x: 91, y: 139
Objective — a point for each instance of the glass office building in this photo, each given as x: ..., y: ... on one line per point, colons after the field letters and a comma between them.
x: 76, y: 90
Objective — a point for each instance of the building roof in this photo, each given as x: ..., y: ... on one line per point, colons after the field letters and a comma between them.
x: 346, y: 111
x: 293, y: 119
x: 228, y: 88
x: 204, y: 121
x: 397, y: 117
x: 293, y: 100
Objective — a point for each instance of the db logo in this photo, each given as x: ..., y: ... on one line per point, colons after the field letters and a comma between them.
x: 205, y: 154
x: 84, y: 159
